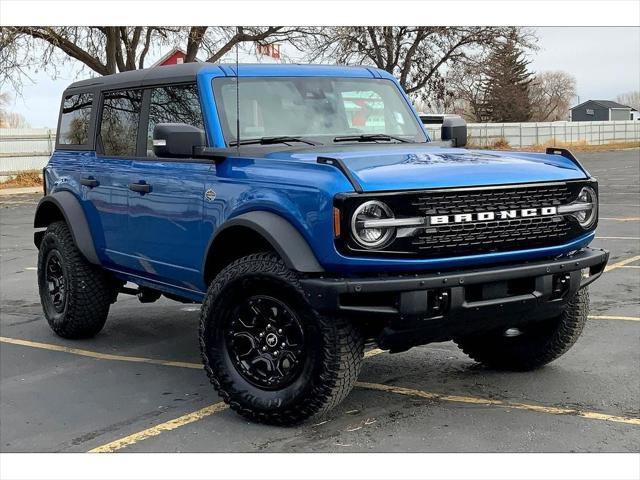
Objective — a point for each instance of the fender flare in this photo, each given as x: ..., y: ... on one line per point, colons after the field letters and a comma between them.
x: 69, y: 207
x: 285, y: 239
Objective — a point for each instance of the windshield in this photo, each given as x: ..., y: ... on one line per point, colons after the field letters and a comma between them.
x: 317, y: 108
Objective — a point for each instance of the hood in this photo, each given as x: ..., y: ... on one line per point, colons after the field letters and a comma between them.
x: 400, y: 167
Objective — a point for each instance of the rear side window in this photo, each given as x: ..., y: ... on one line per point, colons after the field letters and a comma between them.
x: 119, y: 123
x: 75, y: 119
x: 173, y: 104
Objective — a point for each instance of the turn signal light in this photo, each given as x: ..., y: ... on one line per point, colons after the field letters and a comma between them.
x: 336, y: 222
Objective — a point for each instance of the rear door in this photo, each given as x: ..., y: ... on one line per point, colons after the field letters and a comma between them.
x: 106, y: 177
x: 73, y: 142
x: 166, y: 220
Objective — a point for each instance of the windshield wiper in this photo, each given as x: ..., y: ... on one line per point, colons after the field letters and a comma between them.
x: 272, y: 140
x: 370, y: 137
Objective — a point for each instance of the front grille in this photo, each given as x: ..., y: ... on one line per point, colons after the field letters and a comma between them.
x: 477, y: 237
x: 493, y: 236
x: 511, y: 234
x: 462, y: 201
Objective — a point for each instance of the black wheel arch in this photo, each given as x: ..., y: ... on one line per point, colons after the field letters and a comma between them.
x: 64, y: 205
x: 254, y: 232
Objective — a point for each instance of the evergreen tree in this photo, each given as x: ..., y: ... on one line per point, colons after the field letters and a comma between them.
x: 507, y: 84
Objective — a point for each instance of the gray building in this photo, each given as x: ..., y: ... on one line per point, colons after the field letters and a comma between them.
x: 599, y: 111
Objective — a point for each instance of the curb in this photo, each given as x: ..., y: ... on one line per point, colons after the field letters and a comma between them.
x: 19, y: 191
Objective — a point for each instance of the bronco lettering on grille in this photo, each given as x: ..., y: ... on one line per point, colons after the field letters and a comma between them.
x: 488, y: 216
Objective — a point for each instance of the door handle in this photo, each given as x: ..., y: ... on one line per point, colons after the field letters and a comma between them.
x: 140, y: 187
x: 89, y: 182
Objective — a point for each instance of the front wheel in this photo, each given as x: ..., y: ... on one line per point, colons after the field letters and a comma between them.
x: 268, y: 354
x: 531, y: 346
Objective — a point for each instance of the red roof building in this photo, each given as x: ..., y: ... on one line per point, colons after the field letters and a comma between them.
x: 174, y: 57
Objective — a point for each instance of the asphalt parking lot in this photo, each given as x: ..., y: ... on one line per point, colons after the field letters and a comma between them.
x: 138, y: 386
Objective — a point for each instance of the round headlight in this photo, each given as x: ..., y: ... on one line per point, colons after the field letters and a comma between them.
x: 588, y: 216
x: 371, y: 236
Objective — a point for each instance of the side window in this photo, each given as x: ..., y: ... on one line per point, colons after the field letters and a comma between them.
x: 173, y: 104
x: 74, y: 121
x: 119, y: 123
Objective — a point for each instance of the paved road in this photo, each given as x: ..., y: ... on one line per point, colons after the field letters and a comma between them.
x: 75, y: 401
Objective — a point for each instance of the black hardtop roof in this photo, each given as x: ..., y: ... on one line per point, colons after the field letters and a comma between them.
x: 185, y: 72
x: 164, y: 74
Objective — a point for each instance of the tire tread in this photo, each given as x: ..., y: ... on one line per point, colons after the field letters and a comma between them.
x: 89, y: 290
x: 343, y: 348
x: 494, y: 352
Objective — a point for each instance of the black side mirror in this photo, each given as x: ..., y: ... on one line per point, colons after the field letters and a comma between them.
x: 177, y: 139
x: 454, y: 129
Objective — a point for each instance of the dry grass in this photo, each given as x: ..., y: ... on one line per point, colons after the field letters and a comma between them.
x: 500, y: 144
x: 31, y: 178
x: 582, y: 146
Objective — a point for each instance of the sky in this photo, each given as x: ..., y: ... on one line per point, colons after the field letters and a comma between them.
x: 604, y: 60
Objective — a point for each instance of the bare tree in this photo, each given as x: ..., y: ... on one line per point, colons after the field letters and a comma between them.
x: 630, y: 99
x: 417, y: 56
x: 551, y: 94
x: 10, y: 119
x: 5, y: 98
x: 13, y: 120
x: 220, y: 40
x: 468, y: 87
x: 107, y: 50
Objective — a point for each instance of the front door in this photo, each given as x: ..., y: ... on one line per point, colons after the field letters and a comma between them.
x: 166, y: 210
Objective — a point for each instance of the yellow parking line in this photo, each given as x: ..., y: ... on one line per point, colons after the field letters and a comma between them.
x: 621, y: 219
x: 220, y: 406
x: 101, y: 356
x: 498, y: 403
x: 177, y: 422
x: 123, y: 358
x: 373, y: 352
x: 621, y: 263
x: 158, y: 429
x: 610, y: 317
x: 617, y: 238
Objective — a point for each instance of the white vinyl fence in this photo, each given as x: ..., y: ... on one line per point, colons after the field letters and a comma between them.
x: 24, y: 149
x: 30, y: 149
x: 522, y: 135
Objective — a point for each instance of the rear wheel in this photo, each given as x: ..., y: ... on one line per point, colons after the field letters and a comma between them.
x: 531, y: 346
x: 75, y: 294
x: 270, y: 356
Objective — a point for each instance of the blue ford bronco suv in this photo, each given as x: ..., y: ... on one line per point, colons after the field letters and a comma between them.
x: 308, y: 210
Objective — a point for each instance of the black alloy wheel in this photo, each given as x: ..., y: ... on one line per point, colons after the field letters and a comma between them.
x: 266, y: 342
x: 56, y: 282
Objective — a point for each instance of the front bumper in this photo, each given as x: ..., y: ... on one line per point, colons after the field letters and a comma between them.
x: 421, y: 308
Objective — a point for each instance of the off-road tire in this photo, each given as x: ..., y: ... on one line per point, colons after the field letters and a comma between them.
x: 331, y: 367
x: 89, y: 291
x: 538, y: 344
